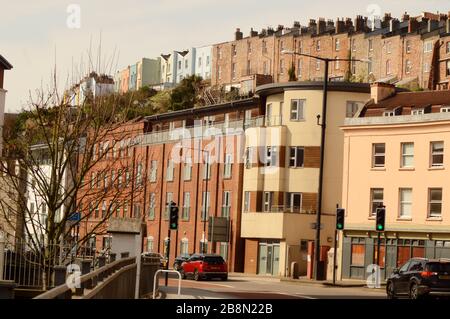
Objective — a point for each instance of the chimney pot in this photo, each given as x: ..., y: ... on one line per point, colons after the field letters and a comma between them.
x: 238, y: 34
x: 405, y: 17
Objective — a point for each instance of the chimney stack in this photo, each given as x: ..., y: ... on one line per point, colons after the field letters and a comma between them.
x: 322, y: 26
x: 360, y: 23
x: 340, y: 26
x: 296, y: 24
x: 380, y: 91
x: 312, y: 26
x: 432, y: 25
x: 270, y: 31
x: 405, y: 17
x: 348, y: 24
x: 253, y: 33
x: 447, y: 26
x: 330, y: 24
x: 238, y: 34
x: 413, y: 25
x: 387, y: 17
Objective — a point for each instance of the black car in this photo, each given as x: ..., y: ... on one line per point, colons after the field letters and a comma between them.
x: 179, y: 260
x: 420, y: 277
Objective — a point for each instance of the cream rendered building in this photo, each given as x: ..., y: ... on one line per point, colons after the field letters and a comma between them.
x: 396, y: 155
x: 281, y: 175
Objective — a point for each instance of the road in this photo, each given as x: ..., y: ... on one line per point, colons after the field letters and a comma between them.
x: 241, y: 287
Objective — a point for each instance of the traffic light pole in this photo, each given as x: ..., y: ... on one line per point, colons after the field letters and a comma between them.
x: 378, y: 248
x: 335, y: 249
x: 168, y: 255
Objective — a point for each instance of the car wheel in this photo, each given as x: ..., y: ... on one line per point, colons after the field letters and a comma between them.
x: 196, y: 275
x: 414, y: 291
x: 224, y: 278
x: 176, y: 266
x: 390, y: 290
x: 183, y: 274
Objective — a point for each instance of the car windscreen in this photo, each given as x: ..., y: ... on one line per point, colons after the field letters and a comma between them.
x: 213, y: 260
x: 439, y: 267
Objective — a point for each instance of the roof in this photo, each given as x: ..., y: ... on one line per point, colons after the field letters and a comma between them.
x: 414, y: 99
x: 5, y: 64
x: 276, y: 88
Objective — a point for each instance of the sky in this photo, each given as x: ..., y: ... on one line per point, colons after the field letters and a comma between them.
x: 36, y: 38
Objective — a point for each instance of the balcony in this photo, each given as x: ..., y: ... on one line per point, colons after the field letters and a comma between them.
x: 279, y: 223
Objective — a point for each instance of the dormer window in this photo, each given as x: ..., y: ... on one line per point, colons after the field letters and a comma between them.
x: 389, y: 113
x: 418, y: 111
x: 394, y: 112
x: 445, y: 109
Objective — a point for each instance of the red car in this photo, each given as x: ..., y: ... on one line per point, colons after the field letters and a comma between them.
x: 205, y: 266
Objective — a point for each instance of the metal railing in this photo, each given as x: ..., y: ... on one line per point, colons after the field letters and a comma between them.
x: 166, y: 271
x: 289, y: 209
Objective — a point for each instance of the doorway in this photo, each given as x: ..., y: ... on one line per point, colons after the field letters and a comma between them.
x: 269, y: 257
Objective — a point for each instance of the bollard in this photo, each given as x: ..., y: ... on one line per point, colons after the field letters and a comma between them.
x: 124, y: 255
x: 7, y: 289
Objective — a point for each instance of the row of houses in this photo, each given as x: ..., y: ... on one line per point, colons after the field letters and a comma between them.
x: 412, y: 51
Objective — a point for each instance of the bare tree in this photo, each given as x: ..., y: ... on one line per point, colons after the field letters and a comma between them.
x: 62, y: 162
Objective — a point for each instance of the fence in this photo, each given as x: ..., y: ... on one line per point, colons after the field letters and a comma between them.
x: 33, y: 267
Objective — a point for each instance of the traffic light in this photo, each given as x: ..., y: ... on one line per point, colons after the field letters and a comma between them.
x: 173, y: 208
x: 381, y: 214
x: 340, y: 214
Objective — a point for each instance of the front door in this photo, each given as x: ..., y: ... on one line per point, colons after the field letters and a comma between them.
x: 269, y: 255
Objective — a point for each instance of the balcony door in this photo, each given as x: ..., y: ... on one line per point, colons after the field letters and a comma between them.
x: 268, y: 258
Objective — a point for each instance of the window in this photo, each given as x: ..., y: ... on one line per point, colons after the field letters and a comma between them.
x: 228, y: 165
x: 388, y: 67
x: 318, y: 45
x: 299, y: 68
x: 447, y: 68
x: 300, y: 46
x: 437, y: 154
x: 268, y: 115
x: 151, y: 207
x: 408, y: 66
x: 139, y: 174
x: 418, y: 111
x: 267, y: 203
x: 113, y: 178
x: 447, y: 47
x: 246, y: 202
x: 337, y: 44
x: 281, y: 66
x: 336, y: 64
x: 405, y: 202
x: 150, y: 244
x: 153, y: 170
x: 92, y: 179
x: 184, y: 246
x: 376, y: 200
x: 226, y: 204
x: 389, y: 113
x: 296, y: 156
x: 233, y: 70
x: 426, y: 67
x: 297, y: 110
x: 434, y: 202
x: 408, y: 46
x: 118, y: 209
x: 248, y: 157
x: 170, y: 169
x: 188, y: 169
x: 445, y: 109
x: 370, y: 45
x: 233, y: 49
x: 407, y: 155
x: 219, y: 72
x: 352, y: 108
x: 207, y: 60
x: 353, y: 44
x: 219, y: 52
x: 271, y: 156
x: 358, y: 253
x: 120, y: 178
x: 265, y: 70
x: 369, y: 65
x: 169, y: 199
x: 353, y: 67
x: 125, y: 208
x: 428, y: 46
x: 294, y: 202
x: 249, y: 47
x: 264, y: 47
x: 127, y: 177
x: 318, y: 65
x: 179, y: 65
x: 186, y: 205
x: 137, y: 211
x: 249, y: 67
x: 205, y: 205
x: 388, y: 47
x: 224, y: 250
x: 378, y: 154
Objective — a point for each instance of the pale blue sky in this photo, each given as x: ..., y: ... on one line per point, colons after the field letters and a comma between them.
x: 32, y: 31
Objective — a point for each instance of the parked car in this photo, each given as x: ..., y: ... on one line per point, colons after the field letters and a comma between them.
x: 205, y: 266
x: 179, y: 261
x: 162, y: 259
x: 420, y: 277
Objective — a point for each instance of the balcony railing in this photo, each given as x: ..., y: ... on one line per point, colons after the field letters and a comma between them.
x: 226, y: 211
x: 274, y: 120
x: 289, y: 209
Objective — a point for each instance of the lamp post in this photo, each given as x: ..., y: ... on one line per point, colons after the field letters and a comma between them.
x: 322, y: 149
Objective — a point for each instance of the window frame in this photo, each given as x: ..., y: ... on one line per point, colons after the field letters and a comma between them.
x: 404, y: 155
x: 402, y: 202
x: 295, y: 158
x: 375, y: 155
x: 373, y: 207
x: 431, y: 202
x: 435, y: 153
x: 299, y: 110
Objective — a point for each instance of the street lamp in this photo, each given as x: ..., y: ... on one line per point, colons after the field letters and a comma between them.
x: 322, y: 149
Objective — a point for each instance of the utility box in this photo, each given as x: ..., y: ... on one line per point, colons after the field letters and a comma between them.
x: 125, y: 233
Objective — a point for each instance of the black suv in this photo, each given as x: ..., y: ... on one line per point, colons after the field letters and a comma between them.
x: 420, y: 277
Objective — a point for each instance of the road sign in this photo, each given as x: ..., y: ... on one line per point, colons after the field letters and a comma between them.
x: 218, y: 229
x: 75, y: 217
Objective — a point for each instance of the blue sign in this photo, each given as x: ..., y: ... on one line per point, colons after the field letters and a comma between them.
x: 76, y: 216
